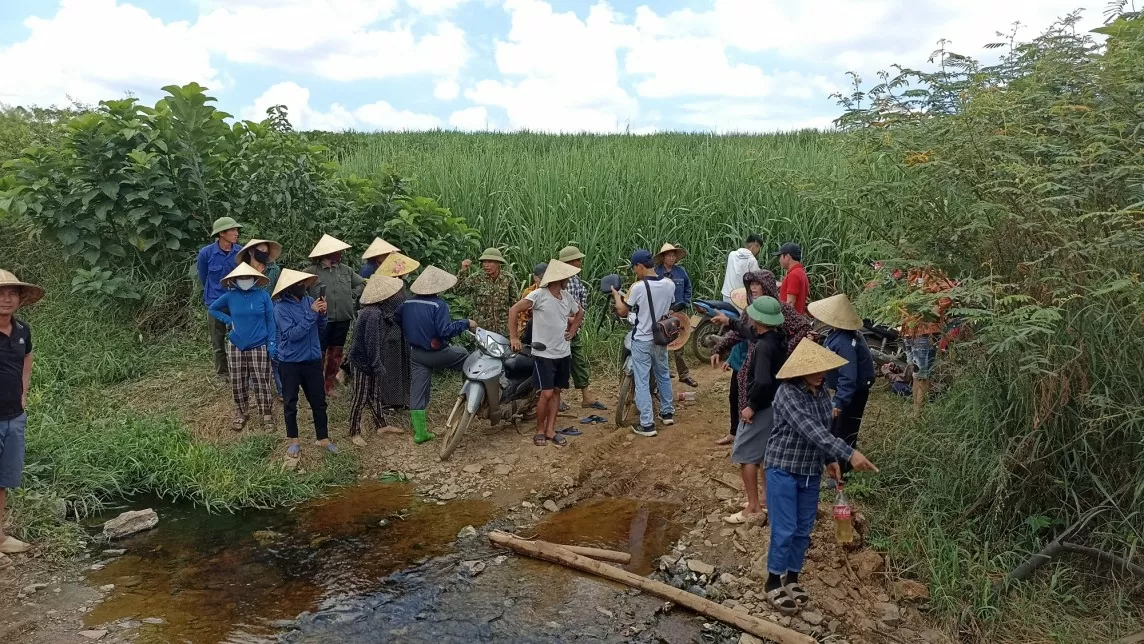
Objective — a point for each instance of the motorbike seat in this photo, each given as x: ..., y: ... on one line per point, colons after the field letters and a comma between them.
x: 880, y: 330
x: 518, y: 365
x: 719, y: 305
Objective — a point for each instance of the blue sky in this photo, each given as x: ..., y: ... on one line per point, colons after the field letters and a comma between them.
x: 550, y: 65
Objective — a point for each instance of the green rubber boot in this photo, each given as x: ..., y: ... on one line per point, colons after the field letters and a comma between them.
x: 420, y: 434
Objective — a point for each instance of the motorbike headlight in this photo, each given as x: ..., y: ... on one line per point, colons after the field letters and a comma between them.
x: 495, y: 349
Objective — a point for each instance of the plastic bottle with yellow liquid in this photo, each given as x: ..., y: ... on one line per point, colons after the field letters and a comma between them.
x: 843, y: 525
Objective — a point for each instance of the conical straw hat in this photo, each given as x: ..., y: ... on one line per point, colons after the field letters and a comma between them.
x: 380, y: 288
x: 680, y: 253
x: 739, y: 298
x: 556, y: 271
x: 836, y: 311
x: 379, y: 247
x: 395, y: 265
x: 433, y: 281
x: 245, y: 270
x: 274, y: 249
x: 328, y: 245
x: 289, y: 277
x: 807, y: 358
x: 29, y: 293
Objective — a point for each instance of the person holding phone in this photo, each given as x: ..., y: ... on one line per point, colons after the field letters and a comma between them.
x: 339, y: 286
x: 300, y: 320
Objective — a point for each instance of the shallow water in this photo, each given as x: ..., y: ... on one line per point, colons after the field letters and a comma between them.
x: 375, y: 563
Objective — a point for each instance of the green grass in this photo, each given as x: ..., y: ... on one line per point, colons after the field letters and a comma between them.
x: 85, y: 449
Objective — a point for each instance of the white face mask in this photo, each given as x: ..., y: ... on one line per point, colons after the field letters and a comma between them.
x: 245, y: 283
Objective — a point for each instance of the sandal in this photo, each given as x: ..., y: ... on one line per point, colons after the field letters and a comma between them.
x: 783, y: 604
x: 237, y: 424
x: 726, y: 440
x: 294, y: 451
x: 796, y: 594
x: 689, y: 381
x: 564, y: 406
x: 596, y: 405
x: 540, y: 440
x: 570, y: 431
x: 743, y: 518
x: 559, y: 440
x: 356, y: 439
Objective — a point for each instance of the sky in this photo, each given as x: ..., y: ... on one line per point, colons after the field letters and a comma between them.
x: 636, y: 66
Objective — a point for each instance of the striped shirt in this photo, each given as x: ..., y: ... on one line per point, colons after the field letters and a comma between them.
x: 578, y: 290
x: 801, y: 442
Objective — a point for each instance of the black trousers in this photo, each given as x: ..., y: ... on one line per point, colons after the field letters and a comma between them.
x: 848, y: 423
x: 734, y: 400
x: 307, y: 376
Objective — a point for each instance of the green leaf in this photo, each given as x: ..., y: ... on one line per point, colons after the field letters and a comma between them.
x: 110, y: 188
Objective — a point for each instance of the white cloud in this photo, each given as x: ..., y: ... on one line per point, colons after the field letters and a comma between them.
x: 737, y: 116
x: 446, y: 90
x: 374, y: 116
x: 95, y: 49
x: 471, y: 119
x: 335, y: 39
x: 435, y: 7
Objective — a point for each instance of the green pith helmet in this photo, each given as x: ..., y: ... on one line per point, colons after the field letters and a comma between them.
x: 491, y: 255
x: 570, y: 254
x: 766, y: 310
x: 224, y: 223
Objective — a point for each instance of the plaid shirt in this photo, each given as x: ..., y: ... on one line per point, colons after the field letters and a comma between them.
x: 801, y: 442
x: 578, y: 290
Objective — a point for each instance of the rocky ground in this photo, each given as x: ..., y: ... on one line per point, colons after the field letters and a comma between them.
x: 854, y: 598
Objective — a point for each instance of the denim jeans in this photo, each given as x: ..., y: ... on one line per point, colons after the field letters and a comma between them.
x: 649, y: 359
x: 12, y: 451
x: 792, y: 503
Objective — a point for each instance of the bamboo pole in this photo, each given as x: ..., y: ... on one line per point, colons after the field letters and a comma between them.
x: 612, y: 556
x: 560, y: 555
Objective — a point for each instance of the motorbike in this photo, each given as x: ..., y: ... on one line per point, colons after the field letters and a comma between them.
x: 885, y: 344
x: 497, y: 385
x: 626, y: 404
x: 707, y: 332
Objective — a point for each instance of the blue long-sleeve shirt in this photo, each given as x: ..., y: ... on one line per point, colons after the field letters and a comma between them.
x: 681, y: 280
x: 426, y: 323
x: 298, y: 329
x: 213, y: 264
x: 249, y: 314
x: 857, y: 373
x: 368, y: 268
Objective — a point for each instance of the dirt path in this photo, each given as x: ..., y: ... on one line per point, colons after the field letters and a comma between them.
x: 854, y: 599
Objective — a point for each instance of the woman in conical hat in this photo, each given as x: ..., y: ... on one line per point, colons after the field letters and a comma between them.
x: 300, y: 320
x: 374, y: 255
x: 379, y: 356
x: 801, y: 446
x: 262, y: 255
x: 343, y: 286
x: 852, y: 381
x: 398, y: 265
x: 248, y: 315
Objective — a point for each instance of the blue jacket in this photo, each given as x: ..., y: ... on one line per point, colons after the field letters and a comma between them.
x: 426, y: 323
x: 857, y: 373
x: 298, y: 329
x: 368, y: 269
x: 682, y: 282
x: 213, y: 265
x: 250, y: 316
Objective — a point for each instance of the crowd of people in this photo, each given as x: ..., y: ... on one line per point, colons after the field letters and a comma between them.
x: 795, y: 406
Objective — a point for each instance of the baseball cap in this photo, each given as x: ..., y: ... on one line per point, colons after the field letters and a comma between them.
x: 792, y: 249
x: 641, y: 257
x: 539, y: 269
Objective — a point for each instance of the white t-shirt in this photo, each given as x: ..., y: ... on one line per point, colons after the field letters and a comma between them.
x: 550, y: 317
x: 662, y: 295
x: 739, y: 263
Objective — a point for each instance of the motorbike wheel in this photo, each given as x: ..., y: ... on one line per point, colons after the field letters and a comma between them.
x: 626, y: 404
x: 453, y: 433
x: 703, y: 338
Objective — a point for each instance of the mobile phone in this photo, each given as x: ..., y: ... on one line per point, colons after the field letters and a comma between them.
x: 321, y: 291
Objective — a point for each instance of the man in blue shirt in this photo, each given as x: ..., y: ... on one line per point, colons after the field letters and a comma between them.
x: 666, y: 265
x: 428, y: 328
x: 214, y: 262
x: 299, y: 320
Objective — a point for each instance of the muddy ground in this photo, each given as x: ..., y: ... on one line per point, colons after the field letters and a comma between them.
x: 855, y: 599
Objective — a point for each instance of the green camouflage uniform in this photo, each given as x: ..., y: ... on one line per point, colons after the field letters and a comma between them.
x: 491, y: 298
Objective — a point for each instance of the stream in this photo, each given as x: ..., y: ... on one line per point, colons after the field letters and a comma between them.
x: 374, y: 562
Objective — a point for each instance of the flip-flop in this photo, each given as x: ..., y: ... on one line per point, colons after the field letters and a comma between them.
x: 570, y: 431
x: 563, y: 406
x: 540, y: 440
x: 742, y: 518
x: 726, y: 440
x: 559, y: 440
x: 593, y: 420
x: 12, y: 545
x: 596, y: 405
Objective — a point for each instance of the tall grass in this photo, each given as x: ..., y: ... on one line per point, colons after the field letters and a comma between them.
x: 532, y: 194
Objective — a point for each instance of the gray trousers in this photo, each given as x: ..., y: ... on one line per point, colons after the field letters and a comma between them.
x: 422, y: 364
x: 218, y: 344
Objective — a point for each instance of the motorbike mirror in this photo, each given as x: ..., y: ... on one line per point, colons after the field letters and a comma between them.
x: 538, y: 346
